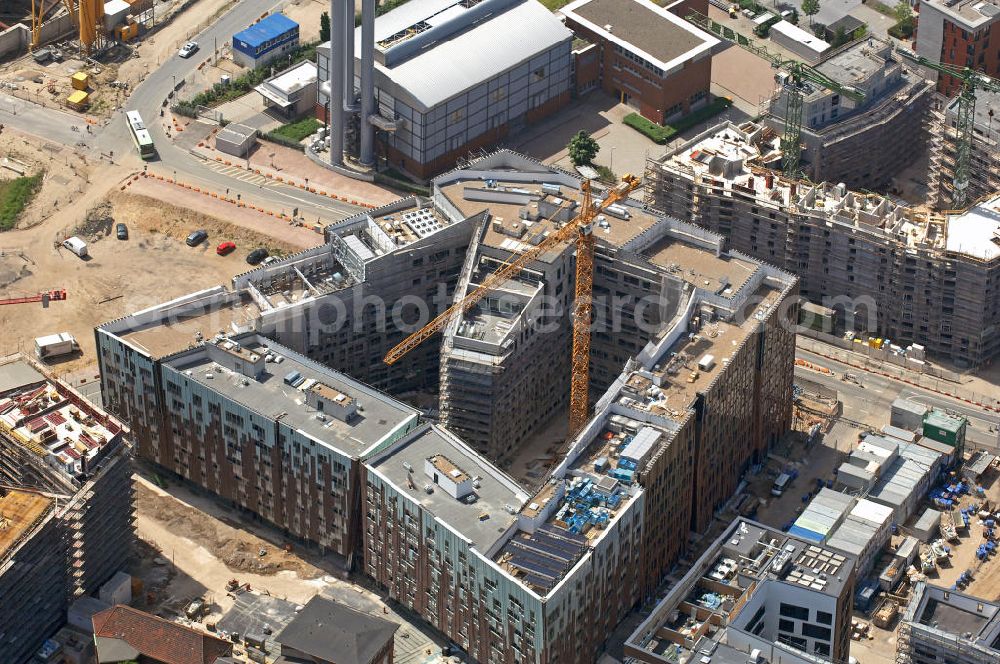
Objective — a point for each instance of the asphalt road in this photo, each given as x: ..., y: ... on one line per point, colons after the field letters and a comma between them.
x: 871, y: 401
x: 113, y: 138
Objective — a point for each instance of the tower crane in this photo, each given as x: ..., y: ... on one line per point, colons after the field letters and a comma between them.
x: 579, y: 229
x: 971, y: 81
x: 797, y: 72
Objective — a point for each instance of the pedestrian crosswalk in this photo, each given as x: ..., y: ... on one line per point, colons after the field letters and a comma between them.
x: 249, y: 177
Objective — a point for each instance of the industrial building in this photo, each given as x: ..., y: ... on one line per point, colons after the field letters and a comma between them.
x: 888, y: 270
x: 857, y: 526
x: 437, y: 79
x: 67, y: 514
x: 942, y: 625
x: 291, y: 93
x: 756, y: 595
x: 887, y: 126
x: 958, y: 33
x: 984, y: 164
x: 273, y: 37
x: 687, y: 406
x: 650, y: 59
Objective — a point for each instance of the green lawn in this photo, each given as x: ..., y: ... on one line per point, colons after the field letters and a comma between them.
x: 553, y: 5
x: 14, y: 197
x: 662, y: 133
x: 296, y: 131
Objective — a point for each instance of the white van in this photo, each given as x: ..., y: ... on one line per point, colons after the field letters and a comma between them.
x: 780, y: 484
x: 76, y: 245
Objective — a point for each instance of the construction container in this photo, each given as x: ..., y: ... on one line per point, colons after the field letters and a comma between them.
x: 945, y: 428
x: 80, y: 80
x: 54, y: 345
x: 78, y: 100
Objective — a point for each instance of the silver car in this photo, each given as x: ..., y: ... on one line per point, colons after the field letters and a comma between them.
x: 188, y: 49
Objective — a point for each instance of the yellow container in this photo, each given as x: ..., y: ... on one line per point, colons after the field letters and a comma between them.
x: 78, y: 100
x: 80, y: 80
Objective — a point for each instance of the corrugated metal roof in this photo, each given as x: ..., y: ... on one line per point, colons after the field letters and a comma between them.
x: 855, y: 471
x: 928, y: 520
x: 641, y: 444
x: 890, y: 431
x: 468, y: 58
x: 942, y: 420
x: 266, y: 29
x: 909, y: 406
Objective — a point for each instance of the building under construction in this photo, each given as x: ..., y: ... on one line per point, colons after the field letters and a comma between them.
x: 887, y: 127
x: 984, y: 168
x: 887, y: 270
x: 942, y: 625
x: 67, y: 516
x: 217, y: 390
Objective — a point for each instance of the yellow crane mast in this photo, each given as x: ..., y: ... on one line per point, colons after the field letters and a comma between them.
x: 579, y: 229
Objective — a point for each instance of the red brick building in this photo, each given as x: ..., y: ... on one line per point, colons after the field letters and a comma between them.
x: 648, y: 57
x: 964, y: 34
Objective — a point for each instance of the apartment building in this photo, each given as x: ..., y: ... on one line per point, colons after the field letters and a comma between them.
x: 649, y: 58
x: 505, y: 365
x: 447, y: 79
x: 689, y: 403
x: 67, y: 513
x: 959, y: 33
x: 268, y: 430
x: 984, y: 165
x: 942, y: 625
x: 888, y: 270
x: 756, y: 595
x: 887, y: 126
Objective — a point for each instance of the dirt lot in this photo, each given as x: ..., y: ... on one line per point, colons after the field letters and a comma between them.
x: 154, y: 265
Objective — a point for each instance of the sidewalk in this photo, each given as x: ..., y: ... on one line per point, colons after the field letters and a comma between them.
x: 284, y: 164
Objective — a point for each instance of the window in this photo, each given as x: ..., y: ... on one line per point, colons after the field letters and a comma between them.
x: 816, y: 632
x: 538, y: 75
x: 792, y: 611
x: 786, y: 625
x: 822, y: 649
x: 824, y: 617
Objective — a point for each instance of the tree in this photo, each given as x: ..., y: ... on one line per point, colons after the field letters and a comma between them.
x: 810, y: 8
x: 324, y: 26
x: 582, y: 149
x: 903, y: 11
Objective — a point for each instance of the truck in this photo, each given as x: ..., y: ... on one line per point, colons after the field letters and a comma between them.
x: 55, y: 345
x: 76, y: 245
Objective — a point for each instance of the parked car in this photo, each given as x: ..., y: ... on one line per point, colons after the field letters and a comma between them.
x: 225, y: 248
x: 77, y: 246
x: 121, y: 231
x: 256, y: 256
x: 196, y: 238
x: 188, y: 49
x: 269, y: 260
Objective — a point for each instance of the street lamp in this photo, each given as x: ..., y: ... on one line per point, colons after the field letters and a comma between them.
x: 612, y: 166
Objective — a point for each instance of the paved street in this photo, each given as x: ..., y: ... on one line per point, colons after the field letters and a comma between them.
x: 870, y: 403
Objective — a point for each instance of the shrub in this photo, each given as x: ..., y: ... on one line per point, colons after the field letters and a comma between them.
x: 297, y: 131
x: 660, y: 134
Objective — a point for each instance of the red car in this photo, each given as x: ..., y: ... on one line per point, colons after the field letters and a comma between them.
x: 225, y: 248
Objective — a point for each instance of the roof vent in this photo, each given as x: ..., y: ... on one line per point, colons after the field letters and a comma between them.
x: 608, y: 27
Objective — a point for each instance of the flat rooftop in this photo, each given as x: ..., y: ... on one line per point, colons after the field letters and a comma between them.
x: 973, y: 619
x: 699, y: 267
x: 497, y: 497
x: 14, y: 375
x: 987, y: 108
x: 741, y: 562
x: 643, y: 27
x: 976, y: 232
x: 19, y: 512
x: 856, y: 63
x: 177, y: 332
x: 975, y: 12
x: 671, y: 391
x: 272, y: 397
x: 507, y: 201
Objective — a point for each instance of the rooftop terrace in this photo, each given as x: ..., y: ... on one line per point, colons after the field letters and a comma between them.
x: 282, y: 385
x: 483, y: 514
x: 20, y: 512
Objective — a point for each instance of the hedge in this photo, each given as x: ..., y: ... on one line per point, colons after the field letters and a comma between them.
x: 280, y: 139
x: 297, y: 131
x: 661, y: 134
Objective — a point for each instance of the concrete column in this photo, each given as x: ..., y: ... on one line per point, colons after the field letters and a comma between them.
x: 367, y: 156
x: 348, y: 51
x: 336, y: 107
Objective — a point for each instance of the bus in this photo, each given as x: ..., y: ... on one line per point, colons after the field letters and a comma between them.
x: 140, y: 135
